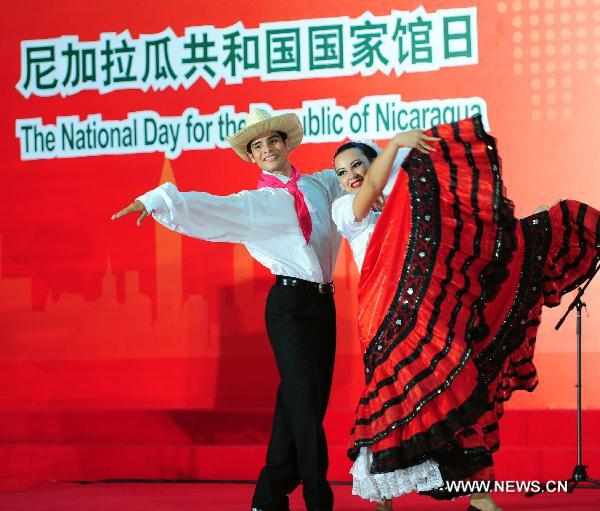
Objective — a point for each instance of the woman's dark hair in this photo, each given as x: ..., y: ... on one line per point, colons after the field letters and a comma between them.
x: 367, y: 150
x: 282, y: 134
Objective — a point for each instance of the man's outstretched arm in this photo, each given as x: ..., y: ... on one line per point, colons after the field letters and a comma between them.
x: 236, y: 218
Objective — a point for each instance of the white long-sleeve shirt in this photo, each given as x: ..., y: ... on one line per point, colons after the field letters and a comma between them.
x: 263, y: 220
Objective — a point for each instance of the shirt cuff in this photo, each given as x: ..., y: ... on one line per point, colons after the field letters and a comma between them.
x: 151, y: 200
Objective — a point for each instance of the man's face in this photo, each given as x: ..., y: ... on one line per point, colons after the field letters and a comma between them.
x: 269, y: 152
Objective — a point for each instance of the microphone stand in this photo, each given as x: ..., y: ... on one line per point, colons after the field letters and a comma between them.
x: 580, y: 478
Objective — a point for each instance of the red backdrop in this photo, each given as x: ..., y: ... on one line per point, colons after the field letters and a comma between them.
x: 101, y: 315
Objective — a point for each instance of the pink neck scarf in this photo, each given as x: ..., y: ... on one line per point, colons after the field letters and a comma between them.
x: 299, y: 203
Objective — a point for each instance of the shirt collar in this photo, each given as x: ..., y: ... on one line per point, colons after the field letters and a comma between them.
x: 281, y: 177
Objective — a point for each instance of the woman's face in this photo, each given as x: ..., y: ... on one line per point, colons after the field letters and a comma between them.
x: 351, y: 167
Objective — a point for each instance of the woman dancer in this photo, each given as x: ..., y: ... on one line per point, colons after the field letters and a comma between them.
x: 450, y: 299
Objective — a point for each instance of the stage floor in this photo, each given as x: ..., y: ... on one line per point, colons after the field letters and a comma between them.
x: 236, y: 497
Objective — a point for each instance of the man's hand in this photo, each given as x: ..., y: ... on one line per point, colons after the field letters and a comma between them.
x: 134, y: 207
x: 416, y: 139
x: 543, y: 207
x: 379, y: 203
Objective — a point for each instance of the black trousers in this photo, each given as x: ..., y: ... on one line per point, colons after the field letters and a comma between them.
x: 301, y: 328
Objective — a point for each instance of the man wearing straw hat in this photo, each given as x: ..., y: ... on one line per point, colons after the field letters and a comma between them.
x: 286, y: 226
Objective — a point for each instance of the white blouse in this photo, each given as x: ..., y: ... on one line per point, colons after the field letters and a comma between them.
x: 263, y: 220
x: 359, y: 233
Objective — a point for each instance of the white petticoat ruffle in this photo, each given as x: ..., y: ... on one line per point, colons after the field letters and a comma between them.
x: 423, y: 477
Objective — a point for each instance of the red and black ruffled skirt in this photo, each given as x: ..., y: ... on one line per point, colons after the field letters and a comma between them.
x: 450, y: 300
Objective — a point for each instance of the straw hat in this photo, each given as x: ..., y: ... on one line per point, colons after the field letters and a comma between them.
x: 260, y: 121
